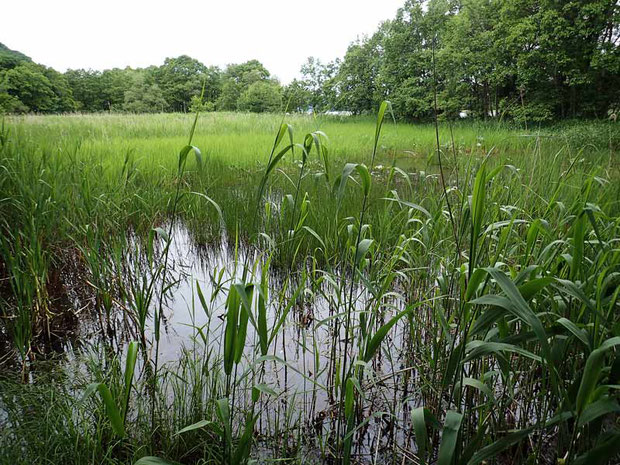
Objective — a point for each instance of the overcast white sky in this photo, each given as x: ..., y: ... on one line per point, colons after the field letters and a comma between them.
x: 117, y: 33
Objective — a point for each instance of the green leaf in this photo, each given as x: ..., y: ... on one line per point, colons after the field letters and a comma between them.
x: 215, y: 205
x: 580, y: 334
x: 111, y: 409
x: 533, y: 287
x: 130, y: 365
x: 385, y: 106
x: 150, y: 460
x: 230, y: 332
x: 274, y: 161
x: 474, y: 282
x: 365, y: 176
x: 198, y: 425
x: 362, y: 249
x: 261, y: 323
x: 377, y: 339
x: 591, y: 373
x: 201, y: 297
x: 415, y: 206
x: 480, y: 386
x: 244, y: 316
x: 597, y: 409
x: 421, y: 437
x: 520, y: 308
x: 284, y: 128
x: 480, y: 348
x: 348, y: 399
x: 477, y: 212
x: 343, y: 179
x: 223, y: 412
x: 265, y: 389
x: 605, y: 449
x: 449, y: 436
x: 183, y: 155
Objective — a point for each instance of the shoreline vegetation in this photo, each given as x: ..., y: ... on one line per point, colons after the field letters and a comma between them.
x: 333, y: 290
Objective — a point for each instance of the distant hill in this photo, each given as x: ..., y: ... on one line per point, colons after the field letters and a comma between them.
x: 11, y: 58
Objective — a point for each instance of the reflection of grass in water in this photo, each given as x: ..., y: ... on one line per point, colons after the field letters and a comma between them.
x: 508, y: 318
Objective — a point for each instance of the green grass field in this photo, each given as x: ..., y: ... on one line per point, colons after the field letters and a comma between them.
x: 357, y: 294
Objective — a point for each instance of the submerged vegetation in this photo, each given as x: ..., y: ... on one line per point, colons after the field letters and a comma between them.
x: 314, y: 291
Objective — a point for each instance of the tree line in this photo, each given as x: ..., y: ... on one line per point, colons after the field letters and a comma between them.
x: 175, y: 86
x: 536, y: 60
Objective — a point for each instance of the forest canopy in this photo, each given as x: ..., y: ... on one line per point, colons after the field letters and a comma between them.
x: 537, y: 60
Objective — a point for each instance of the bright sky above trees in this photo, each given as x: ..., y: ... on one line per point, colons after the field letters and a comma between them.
x: 117, y: 33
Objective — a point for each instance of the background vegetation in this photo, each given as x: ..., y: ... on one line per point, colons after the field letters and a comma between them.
x: 530, y: 60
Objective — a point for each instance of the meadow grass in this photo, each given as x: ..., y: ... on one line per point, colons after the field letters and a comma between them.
x: 468, y: 319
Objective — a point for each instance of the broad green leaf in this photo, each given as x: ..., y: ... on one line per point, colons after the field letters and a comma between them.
x: 449, y: 436
x: 377, y: 339
x: 520, y: 308
x: 534, y: 286
x: 198, y: 425
x: 348, y: 399
x: 591, y: 373
x: 597, y: 409
x: 362, y: 249
x: 480, y: 348
x: 365, y: 176
x: 223, y: 412
x: 512, y: 438
x: 111, y: 410
x: 421, y: 437
x: 580, y: 334
x: 474, y: 282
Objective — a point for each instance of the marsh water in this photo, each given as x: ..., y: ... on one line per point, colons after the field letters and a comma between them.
x: 302, y: 368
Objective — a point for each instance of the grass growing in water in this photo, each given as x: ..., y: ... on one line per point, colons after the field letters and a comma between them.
x: 493, y: 338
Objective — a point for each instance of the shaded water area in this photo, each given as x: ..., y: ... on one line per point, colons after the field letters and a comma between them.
x: 300, y: 376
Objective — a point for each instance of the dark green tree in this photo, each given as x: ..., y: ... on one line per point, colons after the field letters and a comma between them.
x: 261, y: 96
x: 320, y: 82
x: 296, y: 96
x: 86, y: 86
x: 32, y: 87
x: 144, y: 96
x: 236, y: 79
x: 182, y: 78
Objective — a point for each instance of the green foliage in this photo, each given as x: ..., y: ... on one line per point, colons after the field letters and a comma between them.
x: 11, y: 58
x: 236, y: 94
x: 319, y: 82
x: 495, y: 344
x: 296, y: 96
x: 38, y: 89
x: 261, y: 96
x: 144, y: 97
x: 530, y: 61
x: 358, y: 76
x: 182, y: 78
